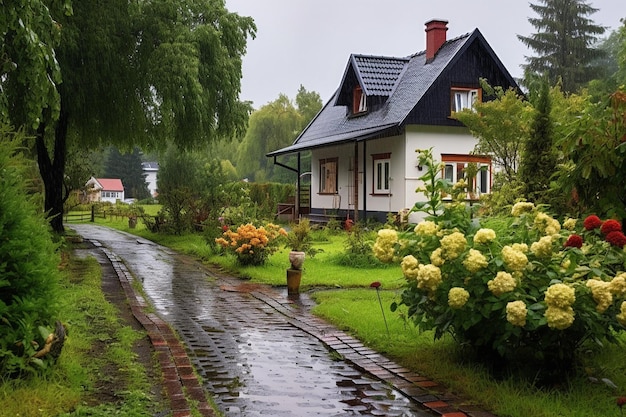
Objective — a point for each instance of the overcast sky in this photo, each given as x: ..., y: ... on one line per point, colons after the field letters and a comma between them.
x: 308, y: 42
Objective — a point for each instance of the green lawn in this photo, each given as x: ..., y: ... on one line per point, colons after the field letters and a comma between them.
x: 345, y: 298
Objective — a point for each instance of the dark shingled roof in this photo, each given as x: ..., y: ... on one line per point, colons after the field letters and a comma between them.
x: 378, y: 74
x: 402, y: 82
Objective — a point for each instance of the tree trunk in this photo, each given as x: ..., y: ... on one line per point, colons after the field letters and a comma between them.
x: 52, y: 170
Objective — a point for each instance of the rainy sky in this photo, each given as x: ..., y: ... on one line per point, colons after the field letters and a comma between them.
x: 308, y: 42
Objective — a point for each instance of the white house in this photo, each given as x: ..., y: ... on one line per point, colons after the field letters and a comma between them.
x: 150, y: 171
x: 363, y: 141
x: 105, y: 189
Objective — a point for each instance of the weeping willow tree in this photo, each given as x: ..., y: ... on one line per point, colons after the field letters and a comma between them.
x: 131, y: 74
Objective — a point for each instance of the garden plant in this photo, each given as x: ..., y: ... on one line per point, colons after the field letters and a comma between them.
x: 533, y: 292
x: 252, y: 245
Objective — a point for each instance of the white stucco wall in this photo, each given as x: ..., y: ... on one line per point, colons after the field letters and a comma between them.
x: 442, y: 140
x: 404, y: 172
x: 151, y: 181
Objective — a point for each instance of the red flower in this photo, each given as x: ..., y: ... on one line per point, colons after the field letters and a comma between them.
x: 621, y: 401
x: 375, y: 284
x: 224, y: 228
x: 616, y: 239
x: 592, y: 222
x: 610, y: 226
x: 574, y: 241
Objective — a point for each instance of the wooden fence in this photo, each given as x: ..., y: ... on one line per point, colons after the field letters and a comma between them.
x: 95, y: 213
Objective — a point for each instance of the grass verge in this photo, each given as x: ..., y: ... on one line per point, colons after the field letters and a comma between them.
x: 98, y: 372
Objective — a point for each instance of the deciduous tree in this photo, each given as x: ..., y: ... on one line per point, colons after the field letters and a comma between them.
x: 501, y: 127
x: 596, y: 145
x: 139, y: 74
x: 273, y: 126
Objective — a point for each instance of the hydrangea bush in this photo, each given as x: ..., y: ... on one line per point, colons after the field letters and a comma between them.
x: 252, y: 245
x: 540, y: 288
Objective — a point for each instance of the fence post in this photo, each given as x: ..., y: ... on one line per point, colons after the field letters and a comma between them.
x: 93, y: 213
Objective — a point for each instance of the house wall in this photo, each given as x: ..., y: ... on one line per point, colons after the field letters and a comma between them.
x: 395, y: 200
x: 342, y: 200
x: 404, y: 172
x: 442, y: 140
x: 151, y: 181
x: 111, y: 196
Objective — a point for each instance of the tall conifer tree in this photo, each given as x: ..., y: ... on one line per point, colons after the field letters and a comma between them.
x: 565, y: 43
x: 539, y: 158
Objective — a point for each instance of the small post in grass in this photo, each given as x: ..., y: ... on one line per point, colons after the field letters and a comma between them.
x: 376, y: 285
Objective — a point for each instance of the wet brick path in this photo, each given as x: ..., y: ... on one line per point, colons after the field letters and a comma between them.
x: 260, y: 353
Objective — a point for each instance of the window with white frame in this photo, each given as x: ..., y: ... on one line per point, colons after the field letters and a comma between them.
x: 474, y: 169
x: 328, y: 176
x: 382, y: 173
x: 464, y: 98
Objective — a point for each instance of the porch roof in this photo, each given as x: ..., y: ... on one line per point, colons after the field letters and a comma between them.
x: 339, y: 138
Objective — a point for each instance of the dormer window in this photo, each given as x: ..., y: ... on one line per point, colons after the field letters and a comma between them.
x: 464, y: 98
x: 359, y: 101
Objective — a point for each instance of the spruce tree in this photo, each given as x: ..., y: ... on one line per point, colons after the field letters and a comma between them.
x: 565, y: 43
x: 127, y: 167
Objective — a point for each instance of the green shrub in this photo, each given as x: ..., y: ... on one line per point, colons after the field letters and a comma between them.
x: 533, y: 292
x: 250, y: 244
x: 358, y: 249
x: 28, y: 269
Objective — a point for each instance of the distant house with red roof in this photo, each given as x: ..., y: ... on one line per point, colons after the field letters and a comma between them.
x: 105, y: 189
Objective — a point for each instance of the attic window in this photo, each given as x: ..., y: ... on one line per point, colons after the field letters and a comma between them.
x: 359, y: 101
x: 464, y: 98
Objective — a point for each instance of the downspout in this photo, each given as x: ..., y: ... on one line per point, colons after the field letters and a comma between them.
x: 297, y: 171
x: 355, y: 166
x: 297, y: 207
x: 364, y: 180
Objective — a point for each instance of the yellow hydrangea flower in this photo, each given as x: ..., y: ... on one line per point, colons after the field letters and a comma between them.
x: 547, y: 224
x: 521, y: 247
x: 560, y: 296
x: 409, y: 267
x: 543, y: 247
x: 383, y: 248
x: 428, y: 277
x: 516, y: 313
x: 484, y: 236
x: 453, y: 245
x: 475, y: 261
x: 426, y: 228
x: 617, y: 286
x: 514, y: 259
x: 502, y: 283
x: 569, y: 224
x: 436, y: 258
x: 457, y: 297
x: 601, y: 294
x: 559, y: 318
x: 521, y: 208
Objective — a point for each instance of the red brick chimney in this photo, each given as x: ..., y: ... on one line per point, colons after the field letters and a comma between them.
x: 435, y: 36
